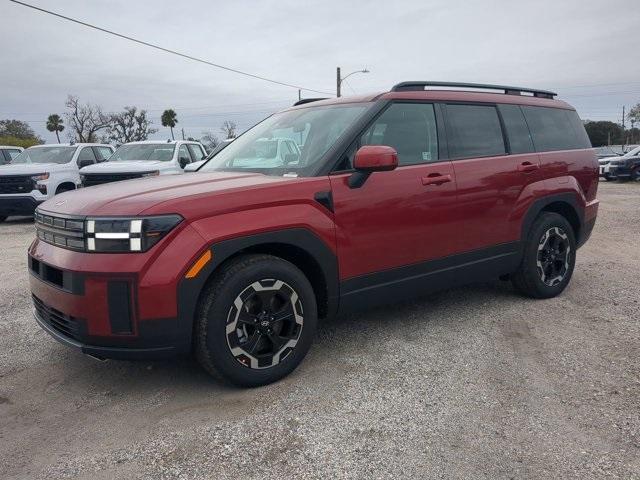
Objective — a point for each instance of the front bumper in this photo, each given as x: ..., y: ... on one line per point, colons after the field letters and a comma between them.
x: 122, y: 306
x: 619, y: 171
x: 25, y: 205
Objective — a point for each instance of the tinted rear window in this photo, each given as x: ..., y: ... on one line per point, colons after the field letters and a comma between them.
x: 555, y: 129
x: 476, y: 131
x: 517, y: 130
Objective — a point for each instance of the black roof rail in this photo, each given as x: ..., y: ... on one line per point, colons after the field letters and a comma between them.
x: 308, y: 100
x: 419, y: 85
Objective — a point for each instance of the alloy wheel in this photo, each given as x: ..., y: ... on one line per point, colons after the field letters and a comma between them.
x: 264, y: 324
x: 553, y: 256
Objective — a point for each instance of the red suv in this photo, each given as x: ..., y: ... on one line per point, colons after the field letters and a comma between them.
x: 324, y: 207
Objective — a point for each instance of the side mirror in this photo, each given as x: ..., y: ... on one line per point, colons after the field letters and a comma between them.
x: 85, y: 163
x: 183, y: 161
x: 372, y: 158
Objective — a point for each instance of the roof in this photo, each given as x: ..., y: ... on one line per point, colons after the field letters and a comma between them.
x: 71, y: 145
x: 158, y: 142
x: 445, y: 91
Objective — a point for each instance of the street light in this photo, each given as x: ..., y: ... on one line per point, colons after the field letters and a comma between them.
x: 340, y: 79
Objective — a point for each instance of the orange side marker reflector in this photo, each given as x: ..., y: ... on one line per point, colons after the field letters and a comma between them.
x: 199, y: 265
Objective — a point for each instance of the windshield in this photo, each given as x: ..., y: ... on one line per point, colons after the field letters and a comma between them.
x: 290, y: 142
x: 57, y: 154
x: 147, y: 151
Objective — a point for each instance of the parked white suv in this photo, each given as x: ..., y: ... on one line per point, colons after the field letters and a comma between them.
x: 144, y: 159
x: 8, y: 153
x: 42, y: 171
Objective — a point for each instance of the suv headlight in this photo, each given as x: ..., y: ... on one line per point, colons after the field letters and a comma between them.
x: 133, y: 234
x: 40, y: 176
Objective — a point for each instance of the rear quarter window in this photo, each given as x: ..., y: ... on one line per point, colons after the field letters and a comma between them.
x: 555, y: 129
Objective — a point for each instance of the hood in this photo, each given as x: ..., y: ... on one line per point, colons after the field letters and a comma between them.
x: 182, y: 194
x: 29, y: 168
x: 126, y: 166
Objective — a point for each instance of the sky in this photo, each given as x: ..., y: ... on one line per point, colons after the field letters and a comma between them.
x: 584, y: 50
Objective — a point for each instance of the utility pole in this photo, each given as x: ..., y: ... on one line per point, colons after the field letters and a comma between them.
x: 623, y: 117
x: 338, y: 81
x: 183, y: 133
x: 299, y: 94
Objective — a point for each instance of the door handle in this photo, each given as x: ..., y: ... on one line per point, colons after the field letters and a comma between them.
x: 436, y: 179
x: 527, y: 167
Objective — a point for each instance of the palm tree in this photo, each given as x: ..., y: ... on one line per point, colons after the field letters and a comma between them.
x: 54, y: 124
x: 169, y: 119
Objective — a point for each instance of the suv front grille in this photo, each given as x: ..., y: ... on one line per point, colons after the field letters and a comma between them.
x: 16, y: 184
x: 91, y: 179
x: 61, y: 231
x: 60, y: 322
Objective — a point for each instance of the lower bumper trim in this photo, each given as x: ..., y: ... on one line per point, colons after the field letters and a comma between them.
x: 18, y: 205
x: 116, y: 353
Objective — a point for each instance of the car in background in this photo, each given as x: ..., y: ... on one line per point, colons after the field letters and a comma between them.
x: 147, y: 158
x: 42, y: 171
x: 627, y: 148
x: 8, y: 153
x: 608, y: 151
x: 192, y: 167
x: 626, y: 167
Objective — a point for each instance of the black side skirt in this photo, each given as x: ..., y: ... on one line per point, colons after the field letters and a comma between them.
x: 418, y: 279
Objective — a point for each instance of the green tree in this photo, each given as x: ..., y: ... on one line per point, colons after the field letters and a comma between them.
x: 54, y: 124
x: 604, y: 133
x: 19, y: 142
x: 169, y: 119
x: 16, y: 128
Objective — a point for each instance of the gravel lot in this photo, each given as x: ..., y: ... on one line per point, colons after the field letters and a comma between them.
x: 470, y: 383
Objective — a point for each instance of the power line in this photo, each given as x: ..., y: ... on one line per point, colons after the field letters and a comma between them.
x: 167, y: 50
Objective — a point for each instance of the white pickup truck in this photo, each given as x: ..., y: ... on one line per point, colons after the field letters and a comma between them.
x: 42, y: 171
x: 144, y: 159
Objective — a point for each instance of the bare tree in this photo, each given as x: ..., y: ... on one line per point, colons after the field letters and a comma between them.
x: 84, y: 121
x: 131, y: 125
x: 228, y: 129
x: 210, y: 140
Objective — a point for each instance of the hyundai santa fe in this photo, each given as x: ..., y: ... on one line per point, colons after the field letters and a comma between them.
x: 379, y: 198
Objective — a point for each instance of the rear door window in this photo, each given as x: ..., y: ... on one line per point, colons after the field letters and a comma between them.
x: 196, y: 152
x: 410, y: 128
x: 475, y: 131
x: 102, y: 153
x: 555, y: 129
x: 86, y: 154
x: 183, y: 152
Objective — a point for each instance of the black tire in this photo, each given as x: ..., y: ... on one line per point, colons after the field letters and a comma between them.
x: 542, y: 273
x: 607, y: 177
x: 635, y: 174
x: 2, y: 218
x: 218, y: 309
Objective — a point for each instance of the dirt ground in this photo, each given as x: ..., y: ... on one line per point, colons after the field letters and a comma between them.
x: 475, y: 382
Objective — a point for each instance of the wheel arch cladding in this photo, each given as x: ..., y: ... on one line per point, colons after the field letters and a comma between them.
x: 65, y: 187
x: 299, y: 246
x: 562, y: 204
